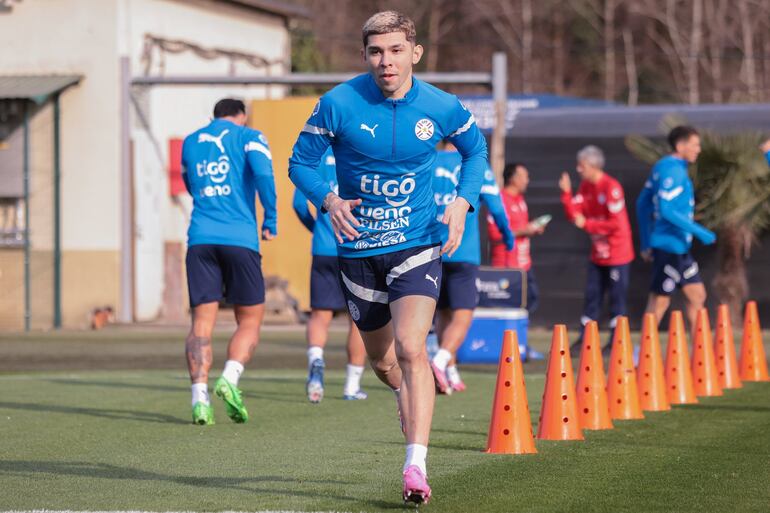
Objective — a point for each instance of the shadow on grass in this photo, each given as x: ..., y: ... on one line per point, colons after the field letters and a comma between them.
x: 726, y: 407
x: 107, y: 471
x: 142, y: 416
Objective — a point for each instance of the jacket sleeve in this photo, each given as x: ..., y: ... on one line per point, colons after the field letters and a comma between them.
x: 490, y: 195
x: 313, y: 140
x: 299, y: 203
x: 573, y: 205
x: 671, y: 186
x: 644, y: 209
x: 261, y: 163
x: 466, y: 136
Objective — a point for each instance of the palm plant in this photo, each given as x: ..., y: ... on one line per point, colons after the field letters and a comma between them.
x: 732, y: 183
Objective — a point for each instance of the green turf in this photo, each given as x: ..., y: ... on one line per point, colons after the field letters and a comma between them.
x: 122, y: 440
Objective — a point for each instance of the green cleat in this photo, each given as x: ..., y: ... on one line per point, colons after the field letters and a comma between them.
x: 230, y: 394
x: 203, y: 414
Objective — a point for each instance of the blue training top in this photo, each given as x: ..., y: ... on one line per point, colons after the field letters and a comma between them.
x: 665, y: 209
x: 445, y: 180
x: 385, y: 151
x: 324, y: 242
x: 224, y: 166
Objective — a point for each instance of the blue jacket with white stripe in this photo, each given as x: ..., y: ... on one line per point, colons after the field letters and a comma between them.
x: 324, y: 243
x: 445, y: 180
x: 225, y: 167
x: 385, y: 151
x: 666, y: 207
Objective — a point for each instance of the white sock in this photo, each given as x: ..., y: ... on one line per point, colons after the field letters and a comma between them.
x: 353, y: 379
x: 415, y: 455
x: 200, y: 393
x: 452, y: 374
x: 314, y: 353
x: 442, y: 359
x: 233, y: 371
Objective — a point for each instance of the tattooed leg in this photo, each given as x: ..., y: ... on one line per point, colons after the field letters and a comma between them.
x: 199, y: 357
x: 198, y: 343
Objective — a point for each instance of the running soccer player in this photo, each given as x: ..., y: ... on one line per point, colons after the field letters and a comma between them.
x: 326, y: 297
x: 515, y: 183
x: 665, y: 210
x: 599, y: 208
x: 226, y: 165
x: 383, y: 127
x: 458, y: 297
x: 766, y: 150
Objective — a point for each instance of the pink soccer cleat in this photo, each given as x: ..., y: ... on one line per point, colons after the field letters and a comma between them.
x: 416, y: 487
x: 458, y: 386
x: 442, y: 383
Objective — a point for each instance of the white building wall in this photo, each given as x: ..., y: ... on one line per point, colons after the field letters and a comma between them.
x: 76, y: 37
x: 175, y: 111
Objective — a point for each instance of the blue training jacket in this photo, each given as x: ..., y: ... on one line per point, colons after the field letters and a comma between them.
x: 385, y: 151
x: 665, y: 209
x: 225, y: 167
x: 445, y: 180
x: 324, y: 242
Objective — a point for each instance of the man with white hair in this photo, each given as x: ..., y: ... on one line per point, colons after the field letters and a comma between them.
x: 599, y: 208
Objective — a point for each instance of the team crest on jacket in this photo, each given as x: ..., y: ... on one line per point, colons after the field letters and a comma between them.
x: 423, y: 129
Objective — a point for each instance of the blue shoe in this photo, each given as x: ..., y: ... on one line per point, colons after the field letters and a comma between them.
x: 315, y: 381
x: 358, y: 396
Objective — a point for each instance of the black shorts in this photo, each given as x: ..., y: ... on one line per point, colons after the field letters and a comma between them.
x: 325, y: 284
x: 232, y: 272
x: 370, y: 284
x: 672, y: 271
x: 458, y: 286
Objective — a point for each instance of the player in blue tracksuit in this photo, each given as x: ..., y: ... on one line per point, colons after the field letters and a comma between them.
x: 383, y: 128
x: 458, y: 297
x: 665, y: 211
x: 226, y: 165
x: 326, y: 296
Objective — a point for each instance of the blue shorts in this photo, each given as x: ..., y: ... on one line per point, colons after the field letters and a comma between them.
x: 370, y: 284
x: 458, y: 286
x: 672, y: 271
x: 325, y: 284
x: 232, y: 272
x: 605, y: 279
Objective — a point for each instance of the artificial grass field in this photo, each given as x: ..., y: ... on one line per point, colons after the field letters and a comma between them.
x: 121, y: 440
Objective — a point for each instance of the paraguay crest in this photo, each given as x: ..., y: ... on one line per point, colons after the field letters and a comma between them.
x: 423, y: 129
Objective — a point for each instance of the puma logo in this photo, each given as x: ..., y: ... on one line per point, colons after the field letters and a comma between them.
x: 215, y: 139
x: 371, y: 130
x: 434, y: 280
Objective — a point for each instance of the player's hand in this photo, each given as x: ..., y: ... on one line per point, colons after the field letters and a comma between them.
x: 646, y: 255
x: 765, y: 147
x: 580, y: 220
x: 341, y: 215
x: 565, y: 183
x: 454, y: 218
x: 267, y: 234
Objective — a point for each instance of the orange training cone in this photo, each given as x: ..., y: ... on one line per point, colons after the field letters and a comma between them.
x: 510, y: 431
x: 678, y: 375
x: 591, y: 385
x: 622, y: 393
x: 724, y: 349
x: 704, y: 367
x: 753, y: 362
x: 649, y: 374
x: 559, y: 414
